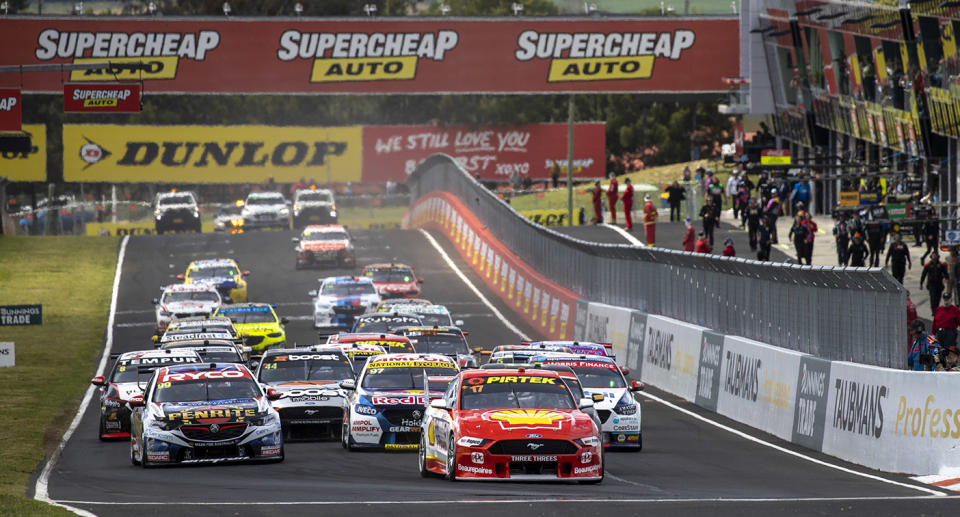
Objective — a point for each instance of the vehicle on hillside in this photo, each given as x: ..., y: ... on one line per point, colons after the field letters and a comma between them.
x: 313, y: 206
x: 324, y: 245
x: 176, y: 211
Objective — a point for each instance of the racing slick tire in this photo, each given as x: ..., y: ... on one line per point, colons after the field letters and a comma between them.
x: 639, y: 444
x: 451, y: 459
x: 345, y: 436
x: 133, y: 458
x: 102, y: 431
x: 422, y: 459
x: 279, y: 459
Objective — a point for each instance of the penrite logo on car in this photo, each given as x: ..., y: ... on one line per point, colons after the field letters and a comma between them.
x: 584, y: 56
x: 353, y: 56
x: 131, y: 56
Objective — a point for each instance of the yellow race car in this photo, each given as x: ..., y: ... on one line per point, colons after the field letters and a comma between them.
x: 258, y: 325
x: 224, y: 273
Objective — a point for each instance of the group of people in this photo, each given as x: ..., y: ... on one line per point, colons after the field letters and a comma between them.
x: 936, y: 351
x: 613, y: 195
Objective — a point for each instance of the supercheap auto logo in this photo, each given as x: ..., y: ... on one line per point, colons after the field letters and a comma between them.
x: 132, y: 56
x: 378, y: 56
x: 586, y: 56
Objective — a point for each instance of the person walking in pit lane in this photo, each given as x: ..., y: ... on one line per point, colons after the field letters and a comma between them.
x: 764, y: 240
x: 935, y: 275
x: 628, y: 203
x: 689, y: 236
x: 931, y: 235
x: 715, y: 192
x: 709, y: 214
x: 753, y: 215
x: 858, y: 251
x: 799, y: 233
x: 876, y: 236
x: 597, y: 202
x: 811, y: 225
x: 649, y: 220
x: 675, y: 196
x: 772, y: 211
x: 842, y: 238
x: 613, y: 191
x: 900, y: 254
x: 733, y: 188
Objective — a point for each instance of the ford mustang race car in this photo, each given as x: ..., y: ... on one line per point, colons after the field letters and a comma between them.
x: 204, y: 413
x: 521, y: 424
x: 393, y: 280
x: 324, y: 245
x: 265, y: 210
x: 313, y: 206
x: 130, y: 372
x: 384, y: 321
x: 341, y: 299
x: 225, y: 274
x: 185, y: 301
x: 393, y: 344
x: 619, y: 411
x: 209, y: 350
x: 448, y: 341
x: 387, y: 401
x: 257, y: 323
x: 311, y: 402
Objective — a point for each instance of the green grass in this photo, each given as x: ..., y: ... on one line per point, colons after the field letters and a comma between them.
x: 72, y: 277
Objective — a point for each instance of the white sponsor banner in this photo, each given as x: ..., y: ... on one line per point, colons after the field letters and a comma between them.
x: 608, y: 324
x: 757, y: 385
x: 893, y: 420
x: 671, y: 355
x: 7, y: 354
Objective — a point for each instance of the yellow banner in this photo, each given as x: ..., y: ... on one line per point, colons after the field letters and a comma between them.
x: 210, y: 154
x: 880, y: 64
x: 849, y: 199
x: 947, y: 40
x: 600, y: 69
x: 554, y: 217
x: 30, y: 166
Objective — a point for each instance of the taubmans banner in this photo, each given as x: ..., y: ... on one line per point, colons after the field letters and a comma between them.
x: 439, y: 55
x: 29, y: 166
x: 242, y: 154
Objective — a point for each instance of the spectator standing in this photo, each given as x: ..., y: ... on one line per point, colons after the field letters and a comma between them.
x: 900, y: 254
x: 613, y: 192
x: 856, y: 225
x: 708, y: 213
x: 733, y: 189
x: 555, y: 175
x: 858, y: 251
x: 689, y: 236
x: 800, y: 194
x: 702, y: 245
x: 628, y: 203
x: 950, y: 359
x: 728, y: 250
x: 811, y: 235
x: 753, y: 215
x: 675, y: 195
x: 935, y: 275
x: 931, y: 235
x: 714, y: 192
x: 799, y: 232
x: 945, y: 322
x: 597, y: 202
x: 841, y: 237
x: 920, y: 346
x: 764, y: 240
x: 686, y: 175
x: 649, y: 220
x: 743, y: 197
x: 772, y: 211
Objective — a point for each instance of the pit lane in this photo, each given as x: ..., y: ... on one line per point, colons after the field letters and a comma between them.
x: 685, y: 467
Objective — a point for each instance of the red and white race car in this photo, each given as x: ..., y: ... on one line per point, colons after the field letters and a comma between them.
x: 324, y: 244
x: 521, y: 424
x: 393, y: 280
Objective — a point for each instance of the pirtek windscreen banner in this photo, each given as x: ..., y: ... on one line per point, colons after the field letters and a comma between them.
x: 210, y: 154
x: 97, y: 98
x: 387, y: 55
x: 29, y: 166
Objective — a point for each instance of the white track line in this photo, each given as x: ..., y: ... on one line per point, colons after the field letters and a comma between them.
x: 41, y: 491
x: 626, y: 235
x: 788, y: 451
x: 496, y: 312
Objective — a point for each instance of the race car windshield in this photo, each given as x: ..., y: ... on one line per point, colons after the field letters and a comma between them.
x: 177, y: 200
x: 390, y: 275
x: 265, y: 201
x: 199, y: 296
x: 129, y: 373
x: 600, y: 377
x: 436, y: 320
x: 347, y: 289
x: 400, y: 378
x: 306, y: 370
x: 501, y: 395
x: 444, y: 344
x: 384, y: 324
x: 251, y: 317
x: 206, y: 389
x: 324, y: 236
x: 315, y: 197
x: 213, y: 272
x: 220, y: 356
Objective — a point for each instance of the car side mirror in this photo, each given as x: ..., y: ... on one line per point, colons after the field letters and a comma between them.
x: 98, y: 380
x: 624, y: 370
x: 348, y: 384
x: 637, y: 386
x: 284, y: 320
x: 586, y: 403
x: 137, y: 401
x: 312, y: 292
x: 245, y: 272
x: 155, y: 301
x: 181, y: 276
x: 597, y: 397
x: 458, y: 323
x: 419, y: 279
x: 439, y: 404
x: 273, y: 394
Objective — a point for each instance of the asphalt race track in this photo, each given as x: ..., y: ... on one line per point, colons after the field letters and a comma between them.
x: 687, y: 467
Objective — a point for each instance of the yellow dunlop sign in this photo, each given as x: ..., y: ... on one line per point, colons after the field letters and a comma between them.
x: 210, y: 154
x: 600, y: 68
x: 31, y: 166
x: 364, y: 69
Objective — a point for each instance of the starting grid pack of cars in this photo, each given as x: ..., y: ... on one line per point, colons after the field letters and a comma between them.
x: 395, y: 372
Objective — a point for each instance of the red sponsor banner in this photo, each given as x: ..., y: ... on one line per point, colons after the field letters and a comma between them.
x: 382, y: 55
x: 495, y: 153
x: 10, y: 110
x: 94, y: 98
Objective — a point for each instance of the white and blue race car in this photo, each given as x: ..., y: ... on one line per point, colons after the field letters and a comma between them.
x: 341, y: 299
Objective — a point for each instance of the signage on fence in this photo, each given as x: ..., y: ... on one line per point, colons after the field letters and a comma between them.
x: 11, y: 315
x: 898, y: 211
x: 553, y: 217
x: 101, y: 98
x: 382, y: 55
x: 951, y: 237
x: 8, y: 356
x: 810, y: 406
x: 870, y: 197
x: 30, y: 165
x: 708, y: 374
x: 10, y: 109
x: 849, y: 199
x: 775, y: 157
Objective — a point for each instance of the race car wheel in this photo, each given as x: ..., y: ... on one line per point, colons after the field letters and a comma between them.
x: 422, y: 458
x: 102, y: 431
x: 279, y: 458
x: 451, y: 459
x: 639, y: 444
x: 345, y: 436
x: 133, y: 458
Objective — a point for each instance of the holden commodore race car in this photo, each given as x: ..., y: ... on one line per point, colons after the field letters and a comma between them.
x: 393, y: 280
x: 356, y: 352
x: 392, y: 343
x: 311, y: 402
x: 324, y: 245
x: 220, y: 324
x: 340, y: 299
x: 387, y: 401
x: 313, y: 206
x: 521, y: 424
x: 619, y: 411
x: 257, y: 323
x: 265, y: 210
x: 224, y: 274
x: 448, y: 341
x: 209, y: 350
x: 130, y: 372
x: 384, y: 322
x: 185, y: 301
x: 204, y: 413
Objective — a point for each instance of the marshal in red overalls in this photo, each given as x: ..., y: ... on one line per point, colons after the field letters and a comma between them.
x: 650, y: 222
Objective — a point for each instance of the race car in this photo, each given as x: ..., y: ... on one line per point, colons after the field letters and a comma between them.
x: 257, y: 323
x: 265, y: 210
x: 229, y: 218
x: 384, y: 321
x: 185, y: 301
x: 313, y: 206
x: 430, y: 314
x: 204, y: 413
x: 203, y: 324
x: 340, y: 299
x: 567, y: 375
x: 324, y: 245
x: 209, y: 350
x: 522, y: 354
x: 356, y: 352
x: 393, y: 280
x: 619, y: 411
x: 393, y: 344
x: 577, y: 347
x: 311, y: 402
x: 130, y: 371
x: 387, y: 305
x: 223, y: 273
x: 521, y: 424
x: 187, y: 334
x: 448, y: 341
x: 176, y: 211
x: 387, y: 402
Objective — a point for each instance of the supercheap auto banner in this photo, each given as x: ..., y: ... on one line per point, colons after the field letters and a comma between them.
x: 210, y: 154
x: 393, y: 152
x: 384, y: 55
x: 30, y: 166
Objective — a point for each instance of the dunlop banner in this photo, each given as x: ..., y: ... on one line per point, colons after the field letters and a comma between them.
x: 31, y: 166
x: 381, y: 55
x: 210, y: 154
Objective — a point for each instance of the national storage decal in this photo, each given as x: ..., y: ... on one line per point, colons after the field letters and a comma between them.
x: 210, y: 154
x: 29, y: 166
x: 379, y: 55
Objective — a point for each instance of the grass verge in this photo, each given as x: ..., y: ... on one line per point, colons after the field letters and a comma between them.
x: 72, y: 277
